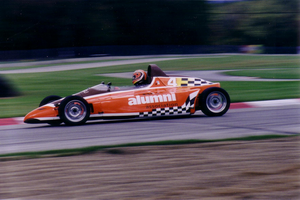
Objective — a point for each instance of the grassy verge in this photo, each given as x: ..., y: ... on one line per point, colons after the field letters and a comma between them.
x: 35, y: 86
x: 286, y: 73
x: 241, y: 91
x: 56, y: 64
x: 113, y: 149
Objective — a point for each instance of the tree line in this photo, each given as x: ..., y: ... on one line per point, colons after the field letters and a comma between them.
x: 46, y: 24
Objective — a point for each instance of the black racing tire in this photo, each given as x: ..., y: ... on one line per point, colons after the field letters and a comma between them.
x: 49, y: 99
x: 214, y: 101
x: 74, y: 110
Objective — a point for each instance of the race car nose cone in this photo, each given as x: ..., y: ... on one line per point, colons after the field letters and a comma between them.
x: 31, y: 121
x: 44, y: 113
x: 29, y: 118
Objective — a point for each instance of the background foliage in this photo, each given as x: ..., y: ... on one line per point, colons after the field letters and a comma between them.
x: 270, y: 23
x: 47, y: 24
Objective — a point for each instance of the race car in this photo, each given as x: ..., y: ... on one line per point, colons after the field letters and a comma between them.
x: 163, y: 95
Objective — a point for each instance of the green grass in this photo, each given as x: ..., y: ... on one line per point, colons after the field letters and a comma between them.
x: 35, y: 86
x: 286, y: 73
x: 241, y: 91
x: 113, y: 149
x: 232, y: 62
x: 56, y: 64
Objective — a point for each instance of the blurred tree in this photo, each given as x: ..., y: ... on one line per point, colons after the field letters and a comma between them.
x: 40, y: 24
x: 35, y: 24
x: 163, y: 22
x: 6, y: 88
x: 271, y: 23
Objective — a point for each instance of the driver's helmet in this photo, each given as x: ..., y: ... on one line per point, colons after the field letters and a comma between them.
x: 139, y: 77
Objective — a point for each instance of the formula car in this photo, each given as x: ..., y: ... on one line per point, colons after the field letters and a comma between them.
x: 163, y: 95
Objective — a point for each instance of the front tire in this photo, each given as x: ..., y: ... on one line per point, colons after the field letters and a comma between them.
x: 47, y: 100
x: 214, y: 101
x: 74, y: 110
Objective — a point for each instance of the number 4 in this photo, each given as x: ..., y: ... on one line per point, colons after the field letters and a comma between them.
x: 172, y: 82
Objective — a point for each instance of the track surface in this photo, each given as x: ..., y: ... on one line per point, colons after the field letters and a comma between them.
x: 235, y: 123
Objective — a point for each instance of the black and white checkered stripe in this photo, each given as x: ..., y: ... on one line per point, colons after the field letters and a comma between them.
x: 193, y: 82
x: 165, y: 111
x: 177, y: 110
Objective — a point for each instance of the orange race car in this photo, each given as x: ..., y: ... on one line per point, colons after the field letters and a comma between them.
x: 161, y: 95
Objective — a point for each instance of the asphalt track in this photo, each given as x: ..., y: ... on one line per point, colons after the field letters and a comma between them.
x: 274, y: 119
x: 65, y: 67
x: 70, y: 64
x: 283, y: 120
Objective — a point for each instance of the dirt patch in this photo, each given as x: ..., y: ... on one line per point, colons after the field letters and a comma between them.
x: 267, y: 169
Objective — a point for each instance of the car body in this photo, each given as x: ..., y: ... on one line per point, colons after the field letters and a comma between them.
x: 163, y: 96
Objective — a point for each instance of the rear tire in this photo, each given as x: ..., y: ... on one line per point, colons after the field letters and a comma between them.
x: 74, y: 110
x: 214, y: 101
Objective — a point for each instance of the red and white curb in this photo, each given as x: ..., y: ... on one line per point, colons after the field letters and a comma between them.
x: 250, y: 104
x: 269, y: 103
x: 11, y: 121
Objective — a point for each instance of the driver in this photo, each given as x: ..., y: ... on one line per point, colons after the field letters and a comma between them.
x: 139, y: 77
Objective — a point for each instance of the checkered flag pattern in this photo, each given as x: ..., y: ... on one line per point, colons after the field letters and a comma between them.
x: 193, y: 82
x: 165, y: 111
x: 177, y: 110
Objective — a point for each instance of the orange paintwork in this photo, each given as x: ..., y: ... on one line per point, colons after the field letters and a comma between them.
x: 43, y: 112
x: 163, y: 92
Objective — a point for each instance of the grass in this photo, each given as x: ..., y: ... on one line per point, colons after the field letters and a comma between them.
x: 55, y: 64
x: 233, y: 62
x: 113, y: 148
x: 35, y: 86
x: 286, y: 73
x: 241, y: 91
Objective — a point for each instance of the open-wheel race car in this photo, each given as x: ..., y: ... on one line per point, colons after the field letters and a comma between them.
x: 163, y: 95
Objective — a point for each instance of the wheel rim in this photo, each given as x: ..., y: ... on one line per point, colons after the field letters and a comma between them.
x: 216, y: 102
x: 75, y: 111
